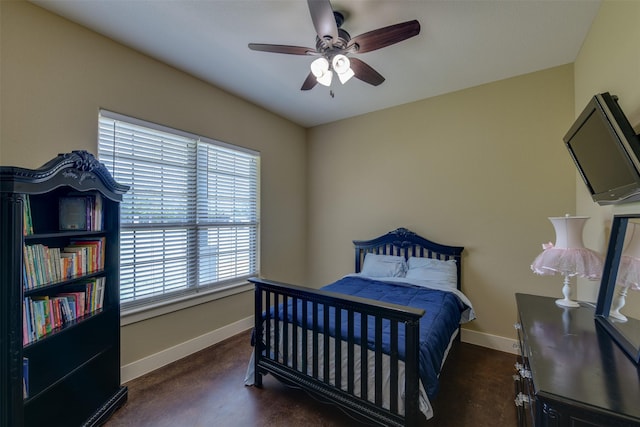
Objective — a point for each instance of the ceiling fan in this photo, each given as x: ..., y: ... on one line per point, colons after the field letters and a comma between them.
x: 334, y: 47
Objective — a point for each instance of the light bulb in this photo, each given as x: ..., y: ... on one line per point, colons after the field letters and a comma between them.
x: 325, y: 79
x: 342, y: 66
x: 344, y: 77
x: 341, y: 63
x: 320, y: 69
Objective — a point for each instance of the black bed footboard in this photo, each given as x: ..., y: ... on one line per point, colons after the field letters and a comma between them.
x: 318, y: 340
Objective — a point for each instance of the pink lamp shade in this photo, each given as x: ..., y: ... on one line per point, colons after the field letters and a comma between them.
x: 568, y: 256
x: 629, y: 269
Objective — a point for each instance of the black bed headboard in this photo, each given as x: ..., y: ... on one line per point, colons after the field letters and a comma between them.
x: 406, y: 243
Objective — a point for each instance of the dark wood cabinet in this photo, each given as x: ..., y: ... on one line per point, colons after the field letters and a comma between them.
x: 69, y: 373
x: 570, y: 371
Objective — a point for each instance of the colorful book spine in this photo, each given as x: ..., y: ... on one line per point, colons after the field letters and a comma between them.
x: 27, y: 222
x: 44, y: 265
x: 43, y: 315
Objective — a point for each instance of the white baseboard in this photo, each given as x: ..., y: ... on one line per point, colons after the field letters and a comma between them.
x: 177, y: 352
x: 150, y: 363
x: 494, y: 342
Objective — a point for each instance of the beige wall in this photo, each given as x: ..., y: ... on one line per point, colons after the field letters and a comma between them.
x: 481, y: 168
x: 609, y: 61
x: 55, y: 75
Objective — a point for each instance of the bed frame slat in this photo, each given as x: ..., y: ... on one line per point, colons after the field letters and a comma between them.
x: 315, y: 340
x: 364, y: 360
x: 350, y: 351
x: 393, y: 381
x: 294, y: 335
x: 327, y: 336
x: 378, y: 361
x: 305, y: 338
x: 285, y: 330
x: 412, y: 392
x: 337, y: 356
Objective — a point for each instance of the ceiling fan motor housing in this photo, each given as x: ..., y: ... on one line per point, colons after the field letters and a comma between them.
x: 327, y: 43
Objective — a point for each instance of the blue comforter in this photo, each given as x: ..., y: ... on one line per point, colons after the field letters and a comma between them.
x: 442, y: 317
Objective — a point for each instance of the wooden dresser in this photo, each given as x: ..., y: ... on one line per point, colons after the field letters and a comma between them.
x: 570, y: 371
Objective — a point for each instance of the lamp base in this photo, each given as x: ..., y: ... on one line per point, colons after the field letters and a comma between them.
x: 617, y: 316
x: 567, y: 303
x: 619, y: 300
x: 566, y: 291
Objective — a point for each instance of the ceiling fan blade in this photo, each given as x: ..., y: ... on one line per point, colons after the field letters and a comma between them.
x: 386, y: 36
x: 323, y: 19
x: 279, y: 48
x: 309, y: 82
x: 364, y: 72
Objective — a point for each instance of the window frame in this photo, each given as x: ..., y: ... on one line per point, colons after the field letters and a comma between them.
x: 194, y: 293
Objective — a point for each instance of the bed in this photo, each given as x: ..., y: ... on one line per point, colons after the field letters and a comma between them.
x: 372, y: 342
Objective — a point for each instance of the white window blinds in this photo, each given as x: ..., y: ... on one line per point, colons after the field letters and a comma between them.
x: 190, y: 220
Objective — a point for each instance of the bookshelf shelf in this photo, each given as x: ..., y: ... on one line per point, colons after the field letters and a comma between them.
x: 61, y: 234
x: 59, y: 293
x: 62, y: 283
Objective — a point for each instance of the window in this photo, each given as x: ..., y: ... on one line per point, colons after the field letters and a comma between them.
x: 190, y: 221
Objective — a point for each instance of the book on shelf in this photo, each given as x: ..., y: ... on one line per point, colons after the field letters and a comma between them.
x: 44, y: 265
x: 74, y: 303
x: 97, y: 213
x: 26, y: 330
x: 91, y: 250
x: 43, y: 314
x: 25, y: 377
x: 80, y: 212
x: 27, y: 221
x: 73, y: 213
x: 41, y: 308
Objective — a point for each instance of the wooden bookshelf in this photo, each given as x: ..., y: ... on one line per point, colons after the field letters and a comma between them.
x: 59, y: 293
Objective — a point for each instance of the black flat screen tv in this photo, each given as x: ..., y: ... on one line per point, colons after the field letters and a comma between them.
x: 606, y: 151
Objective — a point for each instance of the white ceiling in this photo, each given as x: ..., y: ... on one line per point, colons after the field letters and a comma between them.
x: 462, y: 43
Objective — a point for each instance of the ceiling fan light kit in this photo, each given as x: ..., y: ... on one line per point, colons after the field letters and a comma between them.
x: 320, y: 69
x: 333, y: 44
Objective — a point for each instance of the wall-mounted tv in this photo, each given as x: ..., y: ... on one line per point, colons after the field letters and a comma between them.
x: 606, y: 151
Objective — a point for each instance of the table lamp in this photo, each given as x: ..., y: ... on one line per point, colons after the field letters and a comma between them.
x: 568, y: 256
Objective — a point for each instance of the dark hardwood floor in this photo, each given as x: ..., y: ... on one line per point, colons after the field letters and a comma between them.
x: 207, y: 389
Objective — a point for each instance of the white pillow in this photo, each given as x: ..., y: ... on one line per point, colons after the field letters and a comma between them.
x: 383, y: 266
x: 433, y: 270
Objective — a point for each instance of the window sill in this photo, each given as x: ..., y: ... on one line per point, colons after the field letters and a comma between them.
x: 140, y: 314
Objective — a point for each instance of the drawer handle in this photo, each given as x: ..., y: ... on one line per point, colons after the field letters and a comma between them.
x: 524, y: 372
x: 521, y: 399
x: 517, y: 325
